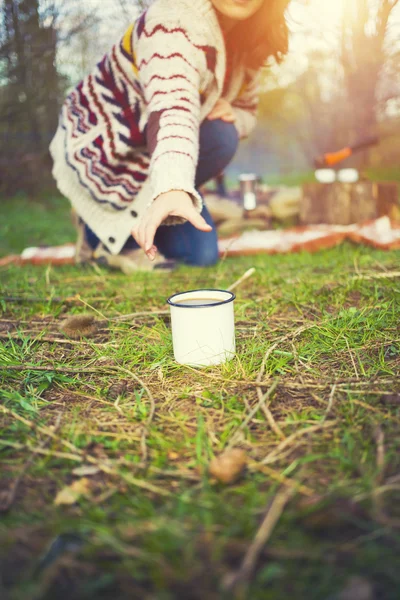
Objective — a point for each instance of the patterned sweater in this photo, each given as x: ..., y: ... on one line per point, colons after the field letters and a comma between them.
x: 130, y: 130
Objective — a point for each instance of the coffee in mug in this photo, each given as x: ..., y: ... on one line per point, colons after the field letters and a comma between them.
x: 198, y: 301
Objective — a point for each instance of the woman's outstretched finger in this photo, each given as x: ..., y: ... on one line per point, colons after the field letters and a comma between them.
x: 151, y: 254
x: 135, y: 234
x: 197, y: 220
x: 144, y: 228
x: 149, y: 233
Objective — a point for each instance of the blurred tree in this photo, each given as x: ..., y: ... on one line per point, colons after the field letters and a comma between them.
x: 349, y: 88
x: 31, y: 86
x: 20, y: 20
x: 365, y: 54
x: 304, y: 116
x: 29, y: 92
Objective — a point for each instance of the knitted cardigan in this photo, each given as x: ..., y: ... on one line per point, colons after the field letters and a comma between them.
x: 130, y: 130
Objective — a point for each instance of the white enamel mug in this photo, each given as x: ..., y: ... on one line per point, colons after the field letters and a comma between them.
x: 203, y: 332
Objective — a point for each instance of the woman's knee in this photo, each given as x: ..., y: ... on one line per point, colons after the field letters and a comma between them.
x: 205, y: 256
x: 221, y: 138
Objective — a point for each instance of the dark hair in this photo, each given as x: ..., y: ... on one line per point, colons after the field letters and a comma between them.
x: 263, y: 36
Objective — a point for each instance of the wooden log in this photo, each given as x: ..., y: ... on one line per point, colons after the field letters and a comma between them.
x: 387, y: 194
x: 346, y: 203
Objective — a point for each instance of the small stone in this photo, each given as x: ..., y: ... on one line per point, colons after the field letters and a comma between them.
x: 228, y: 467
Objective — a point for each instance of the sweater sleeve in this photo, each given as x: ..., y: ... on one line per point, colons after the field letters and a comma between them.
x: 245, y: 106
x: 171, y: 68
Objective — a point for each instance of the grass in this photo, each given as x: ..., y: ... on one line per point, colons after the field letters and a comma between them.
x: 153, y: 524
x: 32, y: 222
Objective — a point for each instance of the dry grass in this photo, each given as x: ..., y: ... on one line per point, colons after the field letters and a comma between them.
x: 312, y: 398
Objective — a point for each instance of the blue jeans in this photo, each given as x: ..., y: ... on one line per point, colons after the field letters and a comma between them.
x: 185, y: 243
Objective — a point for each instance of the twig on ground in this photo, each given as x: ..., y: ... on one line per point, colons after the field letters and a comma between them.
x: 91, y: 307
x: 95, y: 399
x: 112, y: 434
x: 380, y: 454
x: 103, y: 497
x: 268, y: 414
x: 238, y: 582
x: 189, y: 475
x: 330, y: 402
x: 376, y: 410
x: 288, y: 441
x: 43, y: 451
x: 140, y: 483
x: 352, y: 359
x: 34, y: 299
x: 243, y: 278
x: 328, y: 383
x: 377, y: 498
x: 154, y: 313
x: 52, y: 369
x: 387, y: 275
x: 264, y: 398
x: 286, y: 481
x: 16, y: 336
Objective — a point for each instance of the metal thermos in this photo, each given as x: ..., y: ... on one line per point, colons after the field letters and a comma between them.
x: 248, y: 191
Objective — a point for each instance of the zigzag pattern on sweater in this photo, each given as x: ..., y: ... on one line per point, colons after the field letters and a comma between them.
x: 113, y: 164
x: 137, y: 115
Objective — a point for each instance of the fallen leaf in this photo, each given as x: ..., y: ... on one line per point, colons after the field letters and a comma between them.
x: 71, y: 494
x: 86, y: 470
x: 228, y: 467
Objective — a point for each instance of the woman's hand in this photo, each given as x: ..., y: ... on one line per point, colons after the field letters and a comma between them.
x: 222, y: 110
x: 175, y: 203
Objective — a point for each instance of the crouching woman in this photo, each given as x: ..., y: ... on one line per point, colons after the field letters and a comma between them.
x: 160, y: 115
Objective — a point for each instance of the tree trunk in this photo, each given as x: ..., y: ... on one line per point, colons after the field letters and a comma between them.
x: 363, y: 59
x: 347, y: 203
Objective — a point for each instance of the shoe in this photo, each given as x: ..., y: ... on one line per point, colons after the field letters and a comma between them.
x: 84, y: 252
